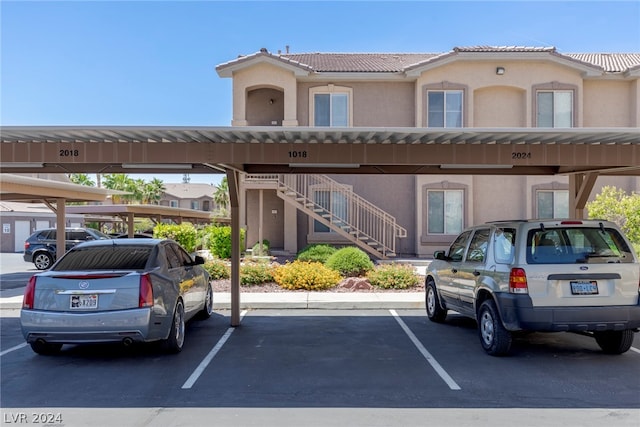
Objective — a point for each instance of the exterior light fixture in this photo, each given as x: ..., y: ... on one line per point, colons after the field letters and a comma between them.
x: 500, y: 71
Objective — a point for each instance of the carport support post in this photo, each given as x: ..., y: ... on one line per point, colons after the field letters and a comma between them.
x: 232, y: 182
x: 61, y: 227
x: 130, y: 226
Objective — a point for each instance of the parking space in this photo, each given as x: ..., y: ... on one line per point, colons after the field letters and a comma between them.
x: 323, y: 359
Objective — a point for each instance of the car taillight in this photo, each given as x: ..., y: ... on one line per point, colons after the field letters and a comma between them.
x: 26, y: 245
x: 518, y: 281
x: 29, y: 293
x: 146, y: 291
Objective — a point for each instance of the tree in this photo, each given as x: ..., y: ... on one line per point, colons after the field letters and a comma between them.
x: 152, y: 191
x: 221, y: 196
x: 81, y: 179
x: 616, y: 205
x: 121, y: 182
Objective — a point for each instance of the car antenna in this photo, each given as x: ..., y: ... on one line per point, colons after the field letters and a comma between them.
x: 542, y: 227
x: 602, y: 228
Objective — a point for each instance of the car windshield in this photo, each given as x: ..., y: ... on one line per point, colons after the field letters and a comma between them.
x: 105, y: 258
x: 575, y: 245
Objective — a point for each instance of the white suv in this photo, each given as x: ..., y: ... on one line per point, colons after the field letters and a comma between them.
x: 539, y: 275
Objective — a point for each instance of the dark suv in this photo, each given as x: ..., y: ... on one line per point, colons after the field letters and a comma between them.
x: 40, y: 247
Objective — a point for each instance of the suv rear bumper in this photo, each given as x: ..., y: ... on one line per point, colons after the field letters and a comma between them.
x: 518, y: 313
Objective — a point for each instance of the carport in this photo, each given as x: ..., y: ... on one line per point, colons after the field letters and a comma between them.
x: 157, y: 213
x: 581, y: 153
x: 54, y: 194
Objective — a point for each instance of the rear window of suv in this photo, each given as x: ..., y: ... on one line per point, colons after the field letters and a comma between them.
x: 576, y: 245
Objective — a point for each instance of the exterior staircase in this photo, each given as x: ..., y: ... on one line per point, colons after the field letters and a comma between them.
x: 341, y: 210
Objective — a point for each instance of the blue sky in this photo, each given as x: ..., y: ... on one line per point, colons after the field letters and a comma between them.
x: 153, y: 62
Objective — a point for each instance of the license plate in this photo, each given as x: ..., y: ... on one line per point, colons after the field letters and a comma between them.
x: 586, y: 287
x: 84, y: 302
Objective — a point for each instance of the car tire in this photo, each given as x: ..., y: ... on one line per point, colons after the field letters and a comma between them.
x: 435, y: 312
x: 42, y: 260
x: 175, y: 340
x: 495, y: 339
x: 614, y: 342
x: 45, y: 348
x: 207, y: 310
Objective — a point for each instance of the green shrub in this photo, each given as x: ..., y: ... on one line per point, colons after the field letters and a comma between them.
x: 394, y: 276
x: 264, y: 251
x: 218, y: 240
x: 350, y: 262
x: 184, y: 234
x: 218, y: 269
x: 256, y: 273
x: 305, y: 275
x: 316, y: 253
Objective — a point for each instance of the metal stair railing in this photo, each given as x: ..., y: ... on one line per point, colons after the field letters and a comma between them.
x: 343, y: 211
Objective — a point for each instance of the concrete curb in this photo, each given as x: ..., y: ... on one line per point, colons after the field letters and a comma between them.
x: 299, y: 300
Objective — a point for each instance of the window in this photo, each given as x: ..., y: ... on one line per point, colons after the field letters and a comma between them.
x: 457, y: 248
x: 504, y: 249
x: 554, y: 108
x: 335, y: 203
x: 444, y: 108
x: 445, y: 211
x: 173, y: 203
x: 478, y: 248
x: 330, y: 106
x: 195, y: 204
x: 552, y: 204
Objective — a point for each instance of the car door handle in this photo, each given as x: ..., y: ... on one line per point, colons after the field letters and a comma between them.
x: 454, y: 270
x: 476, y: 273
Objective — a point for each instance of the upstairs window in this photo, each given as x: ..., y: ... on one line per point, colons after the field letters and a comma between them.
x: 330, y: 106
x: 444, y: 108
x: 554, y: 108
x: 195, y: 205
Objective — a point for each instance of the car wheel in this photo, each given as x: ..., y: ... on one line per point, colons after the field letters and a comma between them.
x: 45, y: 348
x: 207, y: 310
x: 495, y: 339
x: 435, y: 312
x: 175, y: 341
x: 43, y: 260
x: 614, y: 342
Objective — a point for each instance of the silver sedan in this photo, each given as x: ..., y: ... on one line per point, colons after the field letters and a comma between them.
x: 124, y: 290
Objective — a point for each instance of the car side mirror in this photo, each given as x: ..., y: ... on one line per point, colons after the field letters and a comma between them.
x: 198, y: 260
x: 440, y: 255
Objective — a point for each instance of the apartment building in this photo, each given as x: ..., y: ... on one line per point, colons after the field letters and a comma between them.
x: 468, y: 87
x: 194, y: 196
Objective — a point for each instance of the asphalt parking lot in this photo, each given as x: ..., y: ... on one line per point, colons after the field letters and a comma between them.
x: 308, y: 361
x: 300, y: 367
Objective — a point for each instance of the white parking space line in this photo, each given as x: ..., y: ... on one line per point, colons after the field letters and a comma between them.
x: 432, y: 361
x: 209, y: 357
x: 635, y: 349
x: 9, y: 350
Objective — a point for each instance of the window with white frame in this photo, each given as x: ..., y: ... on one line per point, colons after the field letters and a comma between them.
x: 195, y: 204
x: 444, y: 108
x: 330, y: 106
x: 173, y: 203
x: 445, y: 211
x: 335, y: 203
x: 552, y: 203
x: 554, y: 108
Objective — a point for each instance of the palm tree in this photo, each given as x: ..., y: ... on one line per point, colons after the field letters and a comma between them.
x: 81, y: 179
x: 221, y: 196
x: 121, y: 182
x: 152, y: 191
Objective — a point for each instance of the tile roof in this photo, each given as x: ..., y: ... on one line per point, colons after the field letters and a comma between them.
x: 610, y: 62
x: 398, y: 62
x: 189, y: 191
